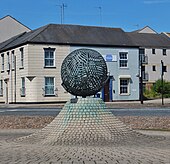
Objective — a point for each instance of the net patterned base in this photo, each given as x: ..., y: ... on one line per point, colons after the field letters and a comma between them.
x: 86, y: 122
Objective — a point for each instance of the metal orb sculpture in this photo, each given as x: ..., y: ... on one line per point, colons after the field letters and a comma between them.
x: 83, y: 72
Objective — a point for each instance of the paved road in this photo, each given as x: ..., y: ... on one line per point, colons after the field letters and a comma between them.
x: 30, y: 112
x: 55, y: 111
x: 141, y: 112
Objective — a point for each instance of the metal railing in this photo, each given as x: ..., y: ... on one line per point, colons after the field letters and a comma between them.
x: 145, y: 76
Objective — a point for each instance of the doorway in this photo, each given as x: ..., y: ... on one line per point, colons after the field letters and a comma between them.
x: 108, y: 90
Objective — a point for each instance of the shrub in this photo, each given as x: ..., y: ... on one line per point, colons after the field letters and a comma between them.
x: 158, y: 87
x: 156, y: 90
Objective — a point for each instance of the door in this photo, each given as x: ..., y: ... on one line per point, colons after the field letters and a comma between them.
x: 108, y: 90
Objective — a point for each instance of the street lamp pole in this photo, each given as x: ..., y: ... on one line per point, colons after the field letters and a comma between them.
x: 141, y: 80
x: 162, y: 81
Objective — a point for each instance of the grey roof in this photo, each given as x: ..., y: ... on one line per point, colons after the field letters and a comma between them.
x: 71, y: 35
x: 150, y: 40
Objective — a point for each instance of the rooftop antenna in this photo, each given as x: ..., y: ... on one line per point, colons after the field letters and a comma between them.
x: 62, y: 8
x: 61, y: 13
x: 137, y: 26
x: 100, y: 14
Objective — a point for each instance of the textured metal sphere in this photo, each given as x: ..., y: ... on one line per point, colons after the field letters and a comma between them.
x: 83, y: 72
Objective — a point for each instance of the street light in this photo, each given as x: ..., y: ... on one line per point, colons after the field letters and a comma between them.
x: 163, y: 69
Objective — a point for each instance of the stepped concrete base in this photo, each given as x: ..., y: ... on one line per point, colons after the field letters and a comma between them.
x: 86, y: 122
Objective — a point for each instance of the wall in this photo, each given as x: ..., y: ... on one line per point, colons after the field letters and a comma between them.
x: 114, y: 70
x: 34, y: 73
x: 10, y: 27
x: 155, y: 59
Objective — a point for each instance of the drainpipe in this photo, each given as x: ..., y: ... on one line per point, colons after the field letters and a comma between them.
x: 15, y: 80
x: 11, y: 81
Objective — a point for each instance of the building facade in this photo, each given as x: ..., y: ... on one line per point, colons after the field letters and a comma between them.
x: 31, y: 63
x: 122, y: 64
x: 153, y: 48
x: 10, y: 27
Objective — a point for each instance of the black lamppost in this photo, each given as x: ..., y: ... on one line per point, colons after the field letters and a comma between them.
x: 141, y: 78
x: 163, y: 69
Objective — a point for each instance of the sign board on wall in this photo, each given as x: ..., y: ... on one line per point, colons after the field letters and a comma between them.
x: 110, y: 58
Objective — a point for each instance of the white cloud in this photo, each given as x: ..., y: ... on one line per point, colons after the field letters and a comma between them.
x: 156, y: 1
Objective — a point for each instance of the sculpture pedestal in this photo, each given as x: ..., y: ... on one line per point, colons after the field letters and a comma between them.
x: 87, y: 123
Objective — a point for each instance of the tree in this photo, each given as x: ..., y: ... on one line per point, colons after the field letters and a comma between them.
x: 158, y: 87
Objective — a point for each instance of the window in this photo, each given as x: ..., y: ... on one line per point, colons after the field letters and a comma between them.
x: 123, y: 59
x: 49, y: 60
x: 141, y: 51
x: 164, y: 68
x: 2, y: 62
x: 49, y: 86
x: 153, y: 51
x: 13, y: 60
x: 124, y: 86
x: 21, y: 57
x: 22, y: 86
x: 1, y: 87
x: 164, y: 51
x: 8, y: 61
x: 153, y: 68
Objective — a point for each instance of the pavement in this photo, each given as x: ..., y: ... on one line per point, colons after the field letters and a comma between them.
x: 154, y: 148
x: 18, y: 153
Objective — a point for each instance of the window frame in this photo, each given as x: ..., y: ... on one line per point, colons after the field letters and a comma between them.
x: 1, y: 88
x: 2, y: 62
x: 123, y: 60
x: 154, y: 68
x: 8, y: 61
x: 164, y: 51
x: 23, y: 89
x: 127, y: 86
x: 13, y: 60
x: 45, y: 86
x: 21, y: 57
x: 49, y: 50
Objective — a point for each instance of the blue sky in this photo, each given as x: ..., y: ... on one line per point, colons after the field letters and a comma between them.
x: 126, y: 14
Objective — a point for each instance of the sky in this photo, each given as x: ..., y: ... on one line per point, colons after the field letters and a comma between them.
x: 126, y: 14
